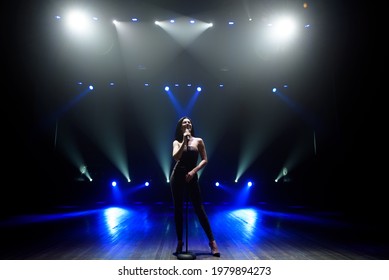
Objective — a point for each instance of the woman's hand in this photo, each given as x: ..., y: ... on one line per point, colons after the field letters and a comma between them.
x: 189, y: 176
x: 186, y: 136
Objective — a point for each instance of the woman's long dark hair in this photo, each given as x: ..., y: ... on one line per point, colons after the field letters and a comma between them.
x: 178, y: 136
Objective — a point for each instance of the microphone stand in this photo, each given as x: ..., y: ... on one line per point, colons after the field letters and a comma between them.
x: 187, y: 255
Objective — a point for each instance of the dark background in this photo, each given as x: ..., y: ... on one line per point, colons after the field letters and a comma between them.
x: 346, y: 174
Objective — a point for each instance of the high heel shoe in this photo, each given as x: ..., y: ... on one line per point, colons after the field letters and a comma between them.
x: 180, y: 244
x: 214, y: 249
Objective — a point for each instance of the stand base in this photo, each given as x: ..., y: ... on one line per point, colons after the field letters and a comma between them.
x: 186, y: 256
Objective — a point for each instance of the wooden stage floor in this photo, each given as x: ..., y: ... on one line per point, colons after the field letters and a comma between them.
x: 146, y: 232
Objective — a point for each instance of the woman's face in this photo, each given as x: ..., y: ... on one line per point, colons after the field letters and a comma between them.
x: 186, y: 124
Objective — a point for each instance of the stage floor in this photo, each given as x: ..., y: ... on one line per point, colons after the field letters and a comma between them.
x: 146, y: 232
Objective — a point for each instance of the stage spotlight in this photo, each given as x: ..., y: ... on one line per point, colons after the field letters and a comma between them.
x: 78, y: 21
x: 91, y: 87
x: 83, y: 169
x: 114, y: 184
x: 198, y: 89
x: 249, y: 184
x: 167, y: 88
x: 84, y: 172
x: 217, y: 184
x: 147, y: 184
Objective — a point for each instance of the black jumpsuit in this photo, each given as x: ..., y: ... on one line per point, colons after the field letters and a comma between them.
x: 179, y: 186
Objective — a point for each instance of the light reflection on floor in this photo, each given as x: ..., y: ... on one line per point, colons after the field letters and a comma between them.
x: 128, y: 232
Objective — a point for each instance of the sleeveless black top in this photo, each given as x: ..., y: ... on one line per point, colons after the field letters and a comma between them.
x: 188, y: 160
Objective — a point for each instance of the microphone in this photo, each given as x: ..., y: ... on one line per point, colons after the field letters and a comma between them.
x: 187, y: 136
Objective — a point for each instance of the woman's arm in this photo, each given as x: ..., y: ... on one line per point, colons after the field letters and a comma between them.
x: 178, y: 148
x: 203, y: 156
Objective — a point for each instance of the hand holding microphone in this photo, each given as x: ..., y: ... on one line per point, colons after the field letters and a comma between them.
x: 187, y: 135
